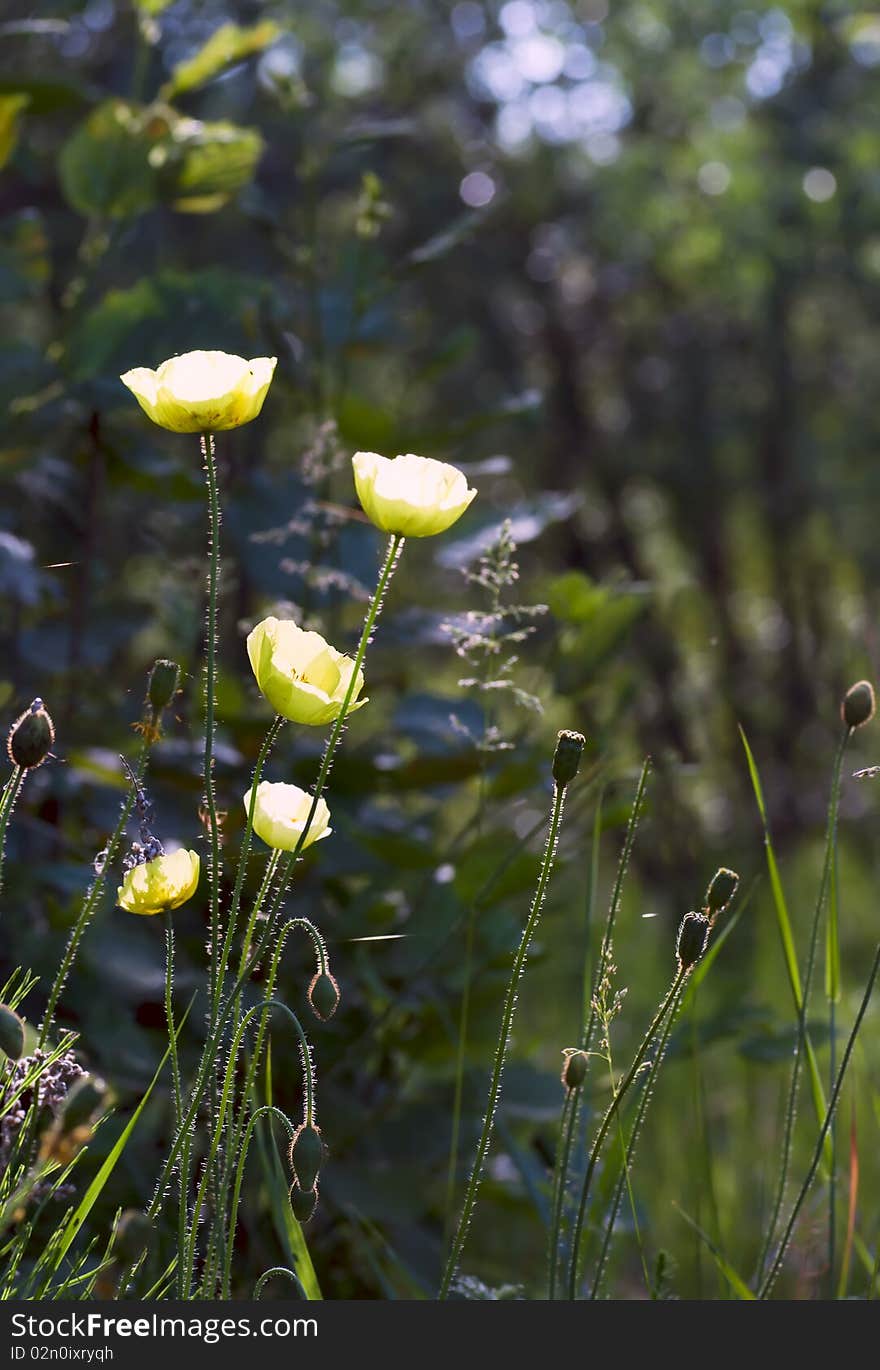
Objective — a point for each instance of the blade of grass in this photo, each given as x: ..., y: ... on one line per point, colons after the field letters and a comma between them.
x: 736, y: 1282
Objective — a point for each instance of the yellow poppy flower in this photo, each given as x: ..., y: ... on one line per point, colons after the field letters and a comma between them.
x: 160, y: 885
x: 202, y: 392
x: 280, y: 815
x: 302, y: 676
x: 413, y: 496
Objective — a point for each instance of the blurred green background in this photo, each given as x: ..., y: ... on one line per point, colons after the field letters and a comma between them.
x: 621, y: 263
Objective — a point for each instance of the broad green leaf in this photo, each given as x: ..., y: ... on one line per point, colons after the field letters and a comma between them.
x: 215, y: 161
x: 227, y: 45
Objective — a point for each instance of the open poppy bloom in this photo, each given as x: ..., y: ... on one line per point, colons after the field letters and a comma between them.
x: 302, y: 676
x: 202, y: 392
x: 160, y: 885
x: 412, y: 496
x: 281, y: 813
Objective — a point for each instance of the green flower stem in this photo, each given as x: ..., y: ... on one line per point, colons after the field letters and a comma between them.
x: 267, y: 745
x: 266, y: 1110
x: 392, y: 556
x: 169, y: 1017
x: 610, y: 1113
x: 268, y: 876
x: 225, y: 1097
x: 629, y: 1151
x: 210, y: 798
x: 770, y: 1278
x: 91, y: 900
x: 236, y: 1126
x: 503, y: 1041
x: 590, y: 1016
x: 801, y: 1042
x: 182, y: 1140
x: 10, y: 793
x: 175, y: 1061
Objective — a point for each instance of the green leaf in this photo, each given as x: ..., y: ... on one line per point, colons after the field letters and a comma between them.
x: 160, y: 316
x: 784, y: 924
x: 227, y: 45
x: 216, y: 161
x: 125, y: 159
x: 11, y: 107
x: 89, y: 1199
x: 110, y: 165
x: 736, y: 1282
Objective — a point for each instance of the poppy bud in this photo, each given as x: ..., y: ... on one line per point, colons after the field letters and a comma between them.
x: 693, y: 932
x: 324, y: 995
x: 722, y: 888
x: 31, y: 737
x: 11, y: 1033
x: 163, y: 683
x: 302, y: 1202
x: 858, y: 704
x: 574, y: 1068
x: 306, y: 1155
x: 567, y: 757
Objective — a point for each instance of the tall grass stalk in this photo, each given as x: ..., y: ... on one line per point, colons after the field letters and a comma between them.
x: 589, y: 1019
x: 773, y: 1272
x: 507, y: 1016
x: 621, y: 1092
x: 629, y: 1149
x: 803, y: 1046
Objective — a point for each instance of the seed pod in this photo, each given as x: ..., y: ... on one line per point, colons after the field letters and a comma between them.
x: 722, y: 888
x: 303, y: 1202
x: 31, y: 737
x: 133, y: 1236
x: 306, y: 1155
x: 858, y: 704
x: 324, y: 995
x: 574, y: 1068
x: 163, y: 683
x: 567, y: 757
x: 693, y: 933
x: 87, y: 1097
x: 11, y: 1033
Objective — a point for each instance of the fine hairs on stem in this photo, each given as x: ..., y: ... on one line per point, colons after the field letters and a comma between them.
x: 565, y: 765
x: 572, y: 1101
x: 182, y: 1142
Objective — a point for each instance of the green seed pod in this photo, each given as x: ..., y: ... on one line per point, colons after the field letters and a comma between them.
x: 11, y: 1033
x: 574, y: 1068
x: 133, y: 1236
x: 306, y: 1155
x: 858, y: 704
x: 324, y: 995
x: 567, y: 757
x: 87, y: 1097
x: 303, y: 1202
x: 693, y: 933
x: 31, y: 737
x: 722, y: 888
x: 163, y: 683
